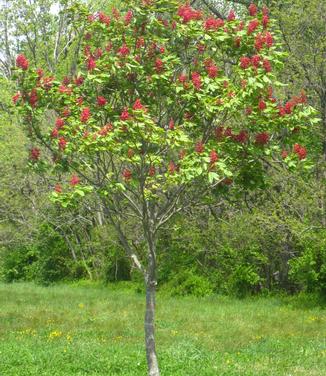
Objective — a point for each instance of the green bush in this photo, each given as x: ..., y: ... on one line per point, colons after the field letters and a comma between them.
x: 16, y: 263
x: 309, y: 269
x: 189, y: 283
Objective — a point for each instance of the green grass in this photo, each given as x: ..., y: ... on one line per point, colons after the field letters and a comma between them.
x: 66, y: 330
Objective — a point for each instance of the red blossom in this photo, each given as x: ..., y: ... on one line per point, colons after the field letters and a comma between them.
x: 252, y: 26
x: 91, y: 64
x: 213, y: 157
x: 252, y: 9
x: 65, y: 90
x: 182, y: 78
x: 127, y: 174
x: 159, y: 65
x: 59, y: 123
x: 101, y: 101
x: 35, y: 154
x: 62, y: 143
x: 242, y: 137
x: 248, y: 111
x: 284, y: 154
x: 288, y: 107
x: 245, y: 62
x: 265, y: 21
x: 199, y: 147
x: 255, y: 61
x: 269, y: 39
x: 22, y: 62
x: 140, y: 42
x: 39, y: 73
x: 74, y: 180
x: 212, y: 70
x: 125, y: 115
x: 105, y: 130
x: 79, y: 80
x: 33, y: 98
x: 300, y: 150
x: 47, y: 82
x: 262, y: 105
x: 231, y: 15
x: 171, y: 124
x: 267, y: 65
x: 85, y: 115
x: 196, y: 80
x: 262, y: 138
x: 237, y: 41
x: 123, y: 51
x: 151, y: 171
x: 172, y: 168
x: 16, y: 98
x: 54, y: 133
x: 138, y: 105
x: 66, y: 112
x: 79, y: 101
x: 103, y: 18
x: 265, y: 10
x: 281, y: 110
x: 213, y: 23
x: 187, y: 13
x: 128, y: 17
x: 58, y: 188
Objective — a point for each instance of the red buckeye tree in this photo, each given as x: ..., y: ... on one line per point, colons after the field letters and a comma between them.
x: 168, y: 104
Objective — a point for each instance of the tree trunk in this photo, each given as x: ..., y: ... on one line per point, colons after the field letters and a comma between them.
x: 152, y: 362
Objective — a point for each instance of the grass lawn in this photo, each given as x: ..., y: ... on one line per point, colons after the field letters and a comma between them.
x: 74, y: 330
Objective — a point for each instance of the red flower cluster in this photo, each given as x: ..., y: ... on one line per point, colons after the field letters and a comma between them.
x: 242, y: 137
x: 151, y: 171
x: 267, y: 65
x: 128, y: 17
x: 22, y: 62
x: 58, y: 188
x: 16, y: 98
x: 262, y: 138
x: 74, y: 180
x: 85, y: 115
x: 213, y: 23
x: 262, y: 105
x: 127, y: 174
x: 171, y: 124
x: 284, y: 154
x: 211, y: 68
x: 252, y: 9
x: 101, y: 101
x: 196, y: 80
x: 59, y: 123
x: 62, y: 143
x: 245, y: 62
x: 301, y: 151
x: 33, y: 98
x: 231, y: 15
x: 252, y: 26
x: 123, y: 51
x: 91, y: 64
x: 65, y: 90
x: 213, y: 157
x: 125, y: 115
x: 187, y: 13
x: 138, y: 105
x: 35, y: 154
x: 105, y: 130
x: 199, y: 147
x: 103, y: 18
x: 263, y: 39
x: 172, y: 168
x: 159, y: 65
